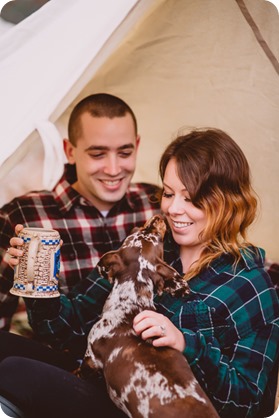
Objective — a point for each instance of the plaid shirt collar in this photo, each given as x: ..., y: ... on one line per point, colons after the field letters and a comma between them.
x: 67, y: 197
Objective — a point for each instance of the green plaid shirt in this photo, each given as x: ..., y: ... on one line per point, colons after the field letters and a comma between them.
x: 230, y: 323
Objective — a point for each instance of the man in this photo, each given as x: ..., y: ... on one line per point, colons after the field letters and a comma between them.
x: 94, y: 206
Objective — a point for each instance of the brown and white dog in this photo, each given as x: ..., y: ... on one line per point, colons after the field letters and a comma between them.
x: 143, y: 381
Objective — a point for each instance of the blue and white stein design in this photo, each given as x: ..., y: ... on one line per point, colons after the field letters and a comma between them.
x: 37, y: 273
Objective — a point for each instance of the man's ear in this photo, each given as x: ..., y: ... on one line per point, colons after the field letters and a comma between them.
x: 69, y: 151
x: 137, y: 141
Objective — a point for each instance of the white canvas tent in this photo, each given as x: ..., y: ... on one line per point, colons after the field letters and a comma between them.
x: 178, y: 63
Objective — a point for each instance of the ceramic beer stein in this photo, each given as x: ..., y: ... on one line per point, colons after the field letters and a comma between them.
x: 36, y: 275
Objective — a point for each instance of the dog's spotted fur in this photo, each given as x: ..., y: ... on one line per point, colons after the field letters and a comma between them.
x: 142, y: 380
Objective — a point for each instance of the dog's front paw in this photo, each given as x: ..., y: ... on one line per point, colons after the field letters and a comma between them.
x: 87, y: 370
x: 77, y: 372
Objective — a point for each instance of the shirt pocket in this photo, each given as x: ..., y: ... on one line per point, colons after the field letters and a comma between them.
x: 197, y: 316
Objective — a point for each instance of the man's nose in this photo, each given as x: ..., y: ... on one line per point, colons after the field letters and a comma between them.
x: 112, y: 166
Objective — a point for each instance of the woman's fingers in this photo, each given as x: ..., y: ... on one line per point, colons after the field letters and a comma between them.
x: 153, y: 325
x: 150, y: 324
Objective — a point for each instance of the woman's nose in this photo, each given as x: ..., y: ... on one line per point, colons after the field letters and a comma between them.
x: 177, y: 205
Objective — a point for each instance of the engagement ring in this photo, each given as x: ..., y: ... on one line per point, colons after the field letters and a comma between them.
x: 163, y: 330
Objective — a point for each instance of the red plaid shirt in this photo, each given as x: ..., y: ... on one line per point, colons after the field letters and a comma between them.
x: 86, y: 234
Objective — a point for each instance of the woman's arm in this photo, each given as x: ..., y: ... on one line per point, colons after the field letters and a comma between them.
x: 64, y: 322
x: 234, y: 381
x: 231, y: 332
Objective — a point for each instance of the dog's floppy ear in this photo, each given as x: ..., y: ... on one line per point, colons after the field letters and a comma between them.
x: 109, y: 265
x: 174, y: 284
x: 158, y: 281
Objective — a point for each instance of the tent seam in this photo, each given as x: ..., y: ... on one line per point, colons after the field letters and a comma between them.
x: 261, y: 41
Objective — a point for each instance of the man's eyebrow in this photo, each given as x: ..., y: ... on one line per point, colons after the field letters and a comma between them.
x: 103, y: 148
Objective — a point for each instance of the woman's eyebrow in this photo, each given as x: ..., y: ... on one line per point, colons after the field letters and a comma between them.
x: 169, y: 187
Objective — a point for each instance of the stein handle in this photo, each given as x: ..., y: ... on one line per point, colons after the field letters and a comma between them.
x: 32, y: 254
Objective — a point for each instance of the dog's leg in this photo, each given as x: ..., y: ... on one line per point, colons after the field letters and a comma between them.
x: 90, y: 367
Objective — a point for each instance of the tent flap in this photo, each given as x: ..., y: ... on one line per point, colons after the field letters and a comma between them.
x: 178, y: 63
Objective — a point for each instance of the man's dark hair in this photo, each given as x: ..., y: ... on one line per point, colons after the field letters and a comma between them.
x: 97, y: 105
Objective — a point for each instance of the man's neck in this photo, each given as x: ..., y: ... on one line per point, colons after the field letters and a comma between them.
x: 98, y: 204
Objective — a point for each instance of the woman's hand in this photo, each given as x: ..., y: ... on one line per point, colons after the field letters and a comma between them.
x: 13, y: 251
x: 150, y: 324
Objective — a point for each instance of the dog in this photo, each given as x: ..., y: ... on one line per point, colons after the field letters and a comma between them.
x: 143, y: 381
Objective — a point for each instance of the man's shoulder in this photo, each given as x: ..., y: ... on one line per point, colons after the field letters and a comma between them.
x: 29, y: 199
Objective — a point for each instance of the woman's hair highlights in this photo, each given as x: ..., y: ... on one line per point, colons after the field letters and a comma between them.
x: 216, y: 175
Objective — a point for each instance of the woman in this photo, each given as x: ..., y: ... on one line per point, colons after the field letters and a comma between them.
x: 227, y: 328
x: 228, y: 331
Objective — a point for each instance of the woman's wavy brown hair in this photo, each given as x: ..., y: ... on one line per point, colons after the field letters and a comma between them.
x: 216, y: 174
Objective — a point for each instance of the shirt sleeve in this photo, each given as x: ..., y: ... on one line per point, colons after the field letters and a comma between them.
x: 231, y: 331
x: 232, y: 357
x: 8, y: 302
x: 65, y: 322
x: 234, y: 381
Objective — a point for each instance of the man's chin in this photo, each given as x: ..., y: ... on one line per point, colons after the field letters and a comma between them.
x: 112, y: 197
x: 114, y: 194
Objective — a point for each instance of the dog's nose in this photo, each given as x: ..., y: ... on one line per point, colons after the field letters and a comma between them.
x: 154, y: 222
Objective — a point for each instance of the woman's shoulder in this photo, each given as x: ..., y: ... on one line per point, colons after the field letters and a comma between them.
x: 250, y: 264
x: 242, y: 293
x: 251, y: 268
x: 252, y: 257
x: 245, y: 285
